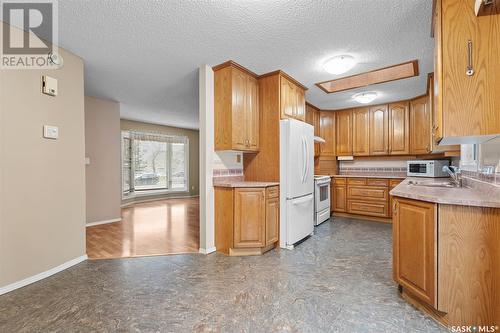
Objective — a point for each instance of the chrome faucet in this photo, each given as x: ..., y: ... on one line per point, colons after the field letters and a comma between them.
x: 455, y: 174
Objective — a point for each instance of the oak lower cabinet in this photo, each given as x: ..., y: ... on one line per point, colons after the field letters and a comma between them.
x: 445, y: 260
x: 338, y: 197
x: 414, y: 244
x: 246, y: 220
x: 236, y: 108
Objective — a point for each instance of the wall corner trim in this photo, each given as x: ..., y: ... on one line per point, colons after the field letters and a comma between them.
x: 41, y: 276
x: 91, y: 224
x: 207, y: 251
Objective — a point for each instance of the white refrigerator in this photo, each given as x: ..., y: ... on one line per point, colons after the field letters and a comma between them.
x: 296, y: 181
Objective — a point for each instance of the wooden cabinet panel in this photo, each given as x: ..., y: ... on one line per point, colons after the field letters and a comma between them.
x: 236, y: 105
x: 377, y: 182
x: 361, y: 132
x: 344, y: 132
x: 272, y: 220
x: 312, y: 118
x: 300, y: 104
x: 287, y: 96
x: 414, y: 237
x: 327, y: 129
x: 339, y: 198
x: 252, y: 113
x: 375, y: 208
x: 249, y: 214
x: 394, y: 182
x: 399, y: 128
x: 379, y: 130
x: 356, y: 181
x: 470, y: 103
x: 272, y: 192
x: 339, y: 181
x: 368, y: 193
x: 420, y: 120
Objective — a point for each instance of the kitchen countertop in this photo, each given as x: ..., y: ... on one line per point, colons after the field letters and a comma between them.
x: 474, y: 192
x: 241, y: 183
x: 395, y: 175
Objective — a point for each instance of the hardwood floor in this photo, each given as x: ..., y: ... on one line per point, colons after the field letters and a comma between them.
x: 154, y: 228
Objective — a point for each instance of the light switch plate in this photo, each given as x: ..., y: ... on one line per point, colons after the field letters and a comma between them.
x: 50, y: 132
x: 49, y: 85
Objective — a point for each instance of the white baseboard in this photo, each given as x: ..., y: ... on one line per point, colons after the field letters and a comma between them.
x: 207, y: 251
x: 91, y: 224
x: 41, y: 276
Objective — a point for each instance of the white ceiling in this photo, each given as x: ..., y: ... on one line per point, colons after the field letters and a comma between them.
x: 145, y: 54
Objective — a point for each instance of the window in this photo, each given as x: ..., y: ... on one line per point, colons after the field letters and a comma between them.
x: 154, y: 162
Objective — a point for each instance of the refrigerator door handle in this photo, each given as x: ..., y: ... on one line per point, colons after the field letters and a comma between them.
x: 307, y: 160
x: 303, y: 142
x: 302, y: 200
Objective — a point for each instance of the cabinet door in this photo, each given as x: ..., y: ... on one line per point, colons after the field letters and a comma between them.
x: 361, y: 132
x: 239, y: 117
x: 249, y: 217
x: 287, y: 98
x: 420, y: 121
x: 317, y: 146
x: 344, y: 132
x: 339, y: 198
x: 272, y: 220
x: 327, y: 129
x: 379, y: 130
x: 252, y: 114
x: 470, y: 103
x: 399, y: 128
x: 414, y: 248
x: 300, y: 103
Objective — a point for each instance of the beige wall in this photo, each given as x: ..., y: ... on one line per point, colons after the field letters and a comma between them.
x: 42, y: 182
x: 193, y: 137
x: 103, y: 148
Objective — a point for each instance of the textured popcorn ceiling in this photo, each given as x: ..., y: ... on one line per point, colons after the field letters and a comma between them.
x: 145, y: 54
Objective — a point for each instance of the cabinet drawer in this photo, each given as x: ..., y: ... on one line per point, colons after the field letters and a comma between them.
x: 356, y: 181
x: 377, y: 182
x: 338, y: 181
x: 368, y: 193
x: 394, y: 182
x: 272, y: 192
x: 375, y: 208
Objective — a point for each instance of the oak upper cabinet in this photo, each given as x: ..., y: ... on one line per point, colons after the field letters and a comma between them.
x: 414, y: 248
x: 236, y: 108
x: 467, y: 69
x: 312, y: 118
x: 379, y: 130
x: 420, y: 120
x: 344, y: 132
x: 327, y: 132
x: 292, y: 100
x: 399, y: 128
x: 249, y: 213
x: 361, y: 132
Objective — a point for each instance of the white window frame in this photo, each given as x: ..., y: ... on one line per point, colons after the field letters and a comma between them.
x: 141, y: 193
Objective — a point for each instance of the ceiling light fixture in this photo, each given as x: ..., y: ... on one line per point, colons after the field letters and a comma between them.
x: 339, y: 64
x: 365, y: 97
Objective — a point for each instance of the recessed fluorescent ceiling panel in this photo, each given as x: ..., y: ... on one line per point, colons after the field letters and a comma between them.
x: 391, y: 73
x: 339, y: 64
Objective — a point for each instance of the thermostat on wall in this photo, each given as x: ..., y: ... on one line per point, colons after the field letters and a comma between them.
x: 49, y: 85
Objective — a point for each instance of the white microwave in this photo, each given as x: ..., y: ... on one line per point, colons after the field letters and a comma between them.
x: 426, y: 168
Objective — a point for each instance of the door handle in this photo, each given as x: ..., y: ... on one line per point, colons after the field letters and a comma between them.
x: 302, y: 201
x: 470, y: 67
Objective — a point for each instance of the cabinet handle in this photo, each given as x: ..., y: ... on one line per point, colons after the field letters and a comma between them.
x: 470, y: 68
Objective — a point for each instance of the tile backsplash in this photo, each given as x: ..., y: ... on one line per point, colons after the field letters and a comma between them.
x: 228, y: 164
x: 377, y: 166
